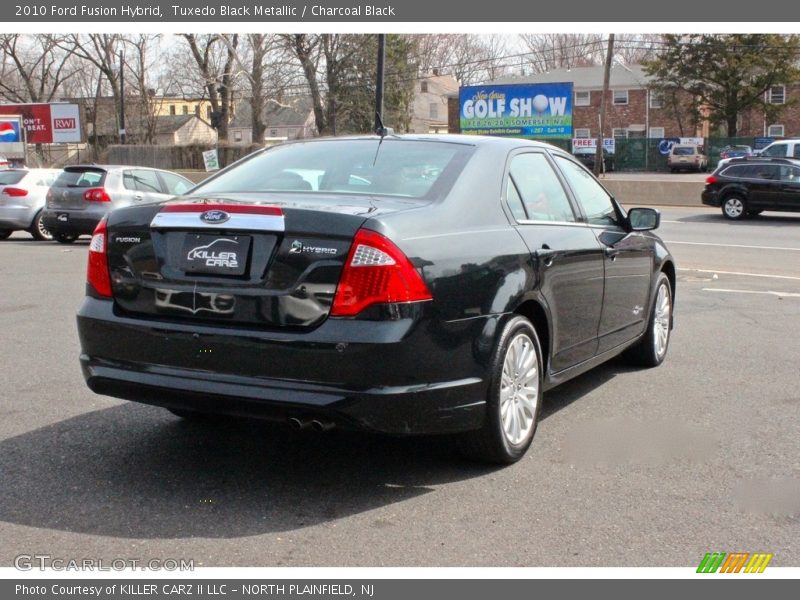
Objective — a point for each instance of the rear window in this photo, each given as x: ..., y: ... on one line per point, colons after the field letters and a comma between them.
x: 11, y: 177
x: 683, y: 150
x: 80, y: 178
x: 411, y: 169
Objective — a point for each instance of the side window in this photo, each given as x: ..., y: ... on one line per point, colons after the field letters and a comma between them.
x: 796, y: 152
x: 128, y: 180
x: 175, y: 185
x: 790, y: 174
x: 542, y: 194
x: 594, y: 200
x: 514, y: 201
x: 147, y: 181
x: 772, y: 172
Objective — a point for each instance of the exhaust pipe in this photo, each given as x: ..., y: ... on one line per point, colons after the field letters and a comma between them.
x: 322, y: 425
x: 297, y: 424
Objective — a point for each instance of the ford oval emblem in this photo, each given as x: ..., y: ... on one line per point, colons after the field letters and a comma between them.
x: 214, y: 217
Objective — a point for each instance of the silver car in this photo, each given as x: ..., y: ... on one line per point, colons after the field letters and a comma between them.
x: 83, y: 194
x: 22, y: 198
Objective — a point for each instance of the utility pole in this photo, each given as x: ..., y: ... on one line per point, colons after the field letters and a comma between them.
x: 599, y: 162
x: 379, y: 83
x: 121, y: 99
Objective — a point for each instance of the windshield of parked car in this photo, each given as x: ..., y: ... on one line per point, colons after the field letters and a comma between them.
x: 11, y: 177
x: 393, y: 167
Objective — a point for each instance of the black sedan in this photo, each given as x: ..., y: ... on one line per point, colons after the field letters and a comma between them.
x: 745, y: 187
x: 406, y: 285
x: 588, y: 156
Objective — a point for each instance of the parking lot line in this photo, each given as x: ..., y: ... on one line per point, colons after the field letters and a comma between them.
x: 733, y: 246
x: 768, y: 292
x: 789, y: 277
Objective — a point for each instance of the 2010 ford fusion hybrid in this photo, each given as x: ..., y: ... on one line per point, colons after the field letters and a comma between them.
x: 398, y: 284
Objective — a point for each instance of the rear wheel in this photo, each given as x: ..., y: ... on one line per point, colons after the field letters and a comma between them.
x: 734, y: 208
x: 651, y: 350
x: 64, y: 238
x: 4, y: 233
x: 38, y: 230
x: 514, y: 399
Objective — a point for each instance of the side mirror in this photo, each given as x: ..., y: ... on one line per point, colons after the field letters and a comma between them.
x: 643, y: 219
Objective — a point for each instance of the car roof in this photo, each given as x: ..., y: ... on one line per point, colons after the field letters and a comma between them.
x: 448, y: 138
x: 752, y: 160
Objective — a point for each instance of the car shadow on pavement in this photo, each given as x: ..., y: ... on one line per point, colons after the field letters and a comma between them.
x: 135, y: 471
x: 582, y: 386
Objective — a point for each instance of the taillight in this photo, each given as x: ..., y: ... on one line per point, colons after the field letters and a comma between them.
x: 96, y: 195
x: 710, y: 180
x: 97, y: 274
x: 376, y: 272
x: 14, y: 191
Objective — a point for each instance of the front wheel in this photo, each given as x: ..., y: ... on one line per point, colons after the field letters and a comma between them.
x: 514, y: 398
x: 733, y: 208
x: 651, y: 350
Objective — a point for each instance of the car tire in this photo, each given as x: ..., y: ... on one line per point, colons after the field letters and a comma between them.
x: 734, y: 207
x: 4, y: 233
x: 651, y: 350
x: 514, y: 398
x: 38, y: 230
x: 64, y: 238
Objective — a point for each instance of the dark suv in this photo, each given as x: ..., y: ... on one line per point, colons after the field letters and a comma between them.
x: 745, y: 187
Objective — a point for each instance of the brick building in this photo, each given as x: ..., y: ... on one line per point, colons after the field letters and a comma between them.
x: 786, y: 99
x: 632, y: 109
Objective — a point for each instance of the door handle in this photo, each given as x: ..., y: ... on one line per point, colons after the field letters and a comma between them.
x: 611, y: 252
x: 137, y: 196
x: 545, y: 255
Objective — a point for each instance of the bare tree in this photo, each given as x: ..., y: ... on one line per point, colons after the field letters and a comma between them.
x: 34, y: 67
x: 215, y: 60
x: 562, y: 50
x: 140, y: 62
x: 635, y: 49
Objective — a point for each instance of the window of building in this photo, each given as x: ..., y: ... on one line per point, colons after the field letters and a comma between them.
x: 237, y: 135
x: 583, y: 98
x: 775, y: 131
x: 777, y: 94
x: 273, y: 133
x: 619, y: 132
x: 208, y: 112
x: 656, y: 100
x: 434, y: 110
x: 656, y: 133
x: 583, y: 133
x: 185, y: 109
x: 620, y: 96
x: 197, y: 109
x: 423, y: 87
x: 172, y: 109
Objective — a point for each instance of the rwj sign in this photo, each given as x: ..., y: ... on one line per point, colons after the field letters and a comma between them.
x: 47, y: 123
x: 542, y: 110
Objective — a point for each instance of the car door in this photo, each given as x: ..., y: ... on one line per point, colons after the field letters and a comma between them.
x: 565, y: 253
x: 764, y: 187
x: 628, y: 259
x: 789, y: 194
x: 143, y: 185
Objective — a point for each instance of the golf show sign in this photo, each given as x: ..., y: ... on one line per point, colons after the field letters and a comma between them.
x: 539, y: 111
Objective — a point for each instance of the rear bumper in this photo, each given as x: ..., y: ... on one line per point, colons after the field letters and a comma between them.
x: 77, y: 223
x: 710, y: 198
x: 17, y: 217
x: 399, y: 377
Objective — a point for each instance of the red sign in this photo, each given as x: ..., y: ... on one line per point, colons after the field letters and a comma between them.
x: 47, y: 123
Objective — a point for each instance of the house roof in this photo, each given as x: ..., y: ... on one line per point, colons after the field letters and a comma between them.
x: 586, y: 78
x: 166, y: 124
x: 276, y: 114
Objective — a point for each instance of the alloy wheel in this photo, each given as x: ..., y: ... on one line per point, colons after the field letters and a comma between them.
x: 519, y: 389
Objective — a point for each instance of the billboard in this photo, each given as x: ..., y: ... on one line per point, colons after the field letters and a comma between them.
x: 47, y: 123
x: 542, y: 110
x: 609, y: 144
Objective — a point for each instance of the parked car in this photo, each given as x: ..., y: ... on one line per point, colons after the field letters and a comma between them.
x: 686, y: 156
x: 588, y: 156
x: 83, y: 194
x: 426, y: 285
x: 745, y: 187
x: 738, y: 151
x: 22, y: 198
x: 789, y: 148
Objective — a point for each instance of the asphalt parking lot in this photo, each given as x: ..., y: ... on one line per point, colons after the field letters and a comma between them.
x: 629, y: 467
